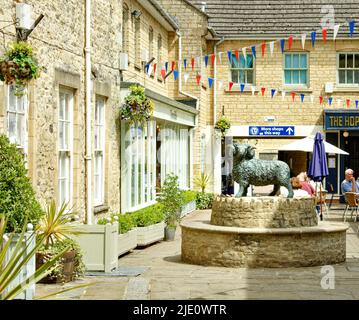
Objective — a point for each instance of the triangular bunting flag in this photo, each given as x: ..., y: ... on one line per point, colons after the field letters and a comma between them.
x: 244, y: 51
x: 230, y: 86
x: 147, y: 67
x: 210, y: 82
x: 271, y: 47
x: 173, y: 65
x: 351, y: 27
x: 283, y: 94
x: 290, y: 42
x: 185, y: 63
x: 302, y: 97
x: 263, y: 47
x: 206, y: 61
x: 175, y: 74
x: 166, y: 66
x: 198, y: 78
x: 220, y: 84
x: 213, y: 59
x: 348, y: 103
x: 154, y: 68
x: 254, y: 51
x: 237, y: 55
x: 313, y: 35
x: 293, y: 95
x: 312, y: 98
x: 304, y: 36
x: 192, y: 63
x: 253, y: 88
x: 198, y: 61
x: 282, y: 45
x: 330, y: 100
x: 335, y: 31
x: 272, y: 92
x: 186, y: 76
x: 242, y: 87
x: 320, y: 100
x: 163, y: 73
x: 324, y: 34
x: 356, y: 103
x: 229, y: 53
x: 263, y: 90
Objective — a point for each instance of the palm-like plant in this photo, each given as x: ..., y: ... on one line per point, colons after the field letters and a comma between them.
x: 202, y: 181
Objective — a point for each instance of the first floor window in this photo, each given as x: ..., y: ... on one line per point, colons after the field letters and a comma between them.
x: 16, y: 119
x: 295, y: 68
x: 348, y: 68
x: 242, y: 70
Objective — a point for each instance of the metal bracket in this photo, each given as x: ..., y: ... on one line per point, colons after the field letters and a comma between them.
x: 22, y: 35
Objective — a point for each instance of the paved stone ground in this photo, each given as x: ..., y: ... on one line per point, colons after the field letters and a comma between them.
x: 168, y: 278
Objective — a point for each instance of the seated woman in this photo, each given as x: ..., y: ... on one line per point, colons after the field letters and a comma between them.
x: 297, y: 189
x: 305, y: 184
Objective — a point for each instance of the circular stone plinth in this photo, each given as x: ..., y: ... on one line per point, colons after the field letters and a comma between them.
x: 210, y: 245
x: 264, y: 212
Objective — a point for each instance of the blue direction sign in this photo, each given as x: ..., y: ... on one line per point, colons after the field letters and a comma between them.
x: 271, y: 130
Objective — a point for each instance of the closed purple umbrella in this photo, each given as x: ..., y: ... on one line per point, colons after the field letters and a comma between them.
x: 318, y: 167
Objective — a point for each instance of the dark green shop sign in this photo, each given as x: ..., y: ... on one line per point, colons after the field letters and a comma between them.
x: 341, y: 120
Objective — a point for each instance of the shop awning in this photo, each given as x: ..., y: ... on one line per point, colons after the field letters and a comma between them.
x: 306, y: 145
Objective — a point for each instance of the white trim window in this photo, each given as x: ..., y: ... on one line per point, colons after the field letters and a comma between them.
x: 296, y: 69
x: 99, y: 139
x: 65, y: 141
x: 138, y: 165
x: 242, y: 71
x: 17, y: 119
x: 348, y: 68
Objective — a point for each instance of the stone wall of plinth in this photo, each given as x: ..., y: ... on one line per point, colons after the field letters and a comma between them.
x: 206, y: 244
x: 264, y: 212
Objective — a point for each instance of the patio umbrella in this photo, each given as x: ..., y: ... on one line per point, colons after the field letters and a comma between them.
x: 318, y: 167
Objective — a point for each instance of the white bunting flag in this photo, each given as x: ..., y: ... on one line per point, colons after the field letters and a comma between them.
x: 244, y: 50
x: 271, y: 47
x: 150, y: 67
x: 303, y: 40
x: 185, y: 76
x: 253, y: 90
x: 339, y: 102
x: 335, y: 32
x: 198, y: 61
x: 283, y: 94
x: 220, y: 57
x: 220, y: 84
x: 312, y: 98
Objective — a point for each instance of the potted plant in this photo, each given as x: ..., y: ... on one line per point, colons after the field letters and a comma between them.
x: 55, y: 227
x: 222, y: 125
x: 171, y: 199
x: 18, y: 66
x: 137, y: 108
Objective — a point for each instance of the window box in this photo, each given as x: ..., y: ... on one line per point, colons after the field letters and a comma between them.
x: 99, y: 246
x: 188, y: 208
x: 150, y: 234
x: 126, y: 241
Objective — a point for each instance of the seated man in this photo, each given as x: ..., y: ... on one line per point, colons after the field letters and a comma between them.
x: 349, y: 184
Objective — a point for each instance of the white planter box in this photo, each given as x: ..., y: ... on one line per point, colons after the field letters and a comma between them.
x: 28, y: 269
x: 99, y: 246
x: 188, y: 208
x: 126, y: 241
x: 150, y: 234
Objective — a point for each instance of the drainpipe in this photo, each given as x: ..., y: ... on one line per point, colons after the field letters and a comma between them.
x: 88, y: 156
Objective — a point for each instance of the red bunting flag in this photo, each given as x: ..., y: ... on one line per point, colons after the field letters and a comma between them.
x: 348, y: 103
x: 324, y: 33
x: 263, y: 47
x: 237, y: 54
x: 198, y: 78
x: 163, y: 73
x: 320, y: 99
x: 290, y: 42
x: 293, y: 95
x: 173, y: 65
x: 263, y: 90
x: 213, y: 59
x: 154, y: 68
x: 192, y: 63
x: 230, y: 86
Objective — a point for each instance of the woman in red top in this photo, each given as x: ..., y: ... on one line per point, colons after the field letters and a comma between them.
x: 303, y: 178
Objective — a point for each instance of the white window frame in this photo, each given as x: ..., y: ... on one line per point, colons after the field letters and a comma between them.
x: 295, y: 85
x: 351, y: 85
x: 245, y: 69
x: 23, y: 143
x: 67, y: 152
x: 99, y: 150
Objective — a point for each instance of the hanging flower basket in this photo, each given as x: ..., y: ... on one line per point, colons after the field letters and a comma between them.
x: 223, y: 125
x: 18, y: 66
x: 137, y: 109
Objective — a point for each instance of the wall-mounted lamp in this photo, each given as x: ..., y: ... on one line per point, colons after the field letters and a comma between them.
x: 345, y: 134
x: 136, y: 13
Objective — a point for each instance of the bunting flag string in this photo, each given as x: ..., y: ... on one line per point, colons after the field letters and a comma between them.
x: 213, y: 59
x: 230, y: 86
x: 271, y: 47
x: 304, y: 36
x: 313, y: 35
x: 293, y: 95
x: 210, y: 82
x: 244, y: 51
x: 302, y: 97
x: 242, y: 87
x: 273, y: 93
x: 351, y: 27
x: 348, y: 103
x: 175, y: 74
x: 335, y: 31
x: 254, y: 52
x: 206, y: 60
x: 282, y: 45
x: 324, y: 34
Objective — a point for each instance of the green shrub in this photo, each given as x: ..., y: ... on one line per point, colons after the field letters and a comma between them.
x: 125, y: 223
x: 204, y: 200
x: 17, y: 197
x: 150, y: 215
x: 189, y: 196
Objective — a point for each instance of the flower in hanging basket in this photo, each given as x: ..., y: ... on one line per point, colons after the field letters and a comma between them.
x: 137, y: 107
x: 223, y: 124
x: 18, y: 66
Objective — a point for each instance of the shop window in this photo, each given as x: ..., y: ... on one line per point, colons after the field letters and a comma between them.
x: 296, y: 69
x: 242, y: 71
x: 348, y: 68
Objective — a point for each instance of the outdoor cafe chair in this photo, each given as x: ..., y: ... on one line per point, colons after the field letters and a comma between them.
x: 321, y: 200
x: 351, y: 203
